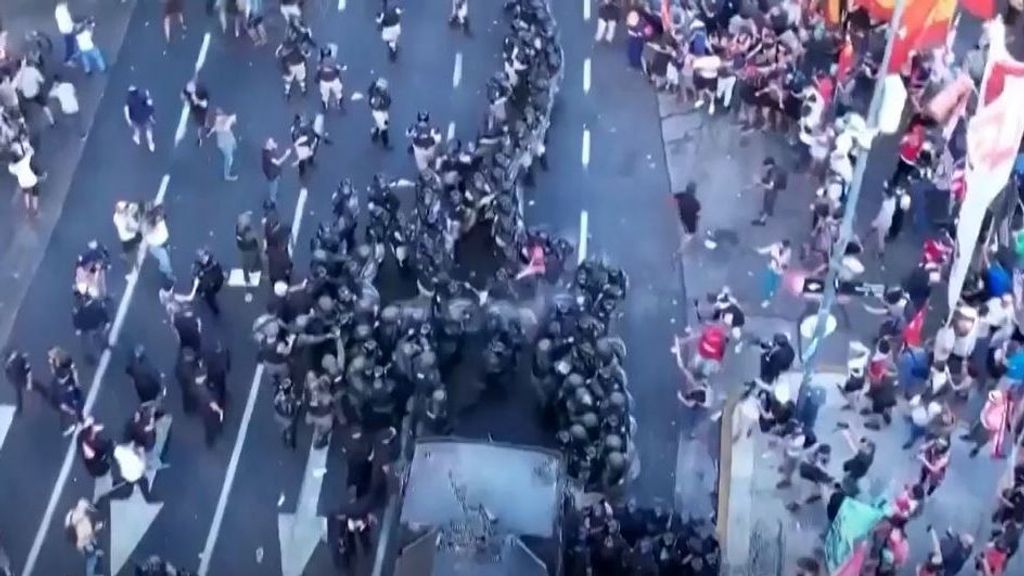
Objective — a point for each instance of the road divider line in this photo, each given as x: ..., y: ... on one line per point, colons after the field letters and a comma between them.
x: 300, y: 206
x: 179, y: 134
x: 243, y: 428
x: 451, y: 131
x: 457, y: 72
x: 104, y: 363
x: 342, y: 4
x: 586, y: 76
x: 585, y: 152
x: 586, y: 10
x: 90, y: 399
x: 582, y: 246
x: 229, y: 478
x: 201, y: 59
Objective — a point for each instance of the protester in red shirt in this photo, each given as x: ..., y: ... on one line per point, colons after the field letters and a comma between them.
x: 910, y: 148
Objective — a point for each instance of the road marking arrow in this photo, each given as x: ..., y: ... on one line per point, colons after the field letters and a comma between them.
x: 131, y: 518
x: 299, y: 533
x: 6, y: 419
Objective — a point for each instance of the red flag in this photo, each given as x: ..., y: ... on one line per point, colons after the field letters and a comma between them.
x: 924, y: 26
x: 982, y: 9
x: 879, y: 10
x: 912, y: 331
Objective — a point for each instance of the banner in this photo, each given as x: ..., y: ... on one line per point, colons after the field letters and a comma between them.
x: 993, y: 136
x: 854, y: 522
x: 925, y: 25
x: 980, y: 9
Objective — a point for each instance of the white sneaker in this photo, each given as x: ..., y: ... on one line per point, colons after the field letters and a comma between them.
x: 248, y: 297
x: 698, y: 104
x: 711, y: 108
x: 152, y: 146
x: 135, y: 138
x: 765, y: 303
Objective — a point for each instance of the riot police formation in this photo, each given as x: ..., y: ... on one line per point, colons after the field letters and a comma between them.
x: 578, y: 370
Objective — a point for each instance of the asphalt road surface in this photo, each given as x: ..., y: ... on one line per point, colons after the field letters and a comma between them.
x: 214, y: 508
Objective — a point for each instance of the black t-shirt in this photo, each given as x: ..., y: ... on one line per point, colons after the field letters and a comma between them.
x: 16, y: 370
x: 954, y: 554
x: 270, y: 168
x: 858, y: 465
x: 146, y: 380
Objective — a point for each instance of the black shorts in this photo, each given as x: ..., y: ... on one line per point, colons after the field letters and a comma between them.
x: 39, y: 99
x: 702, y: 83
x: 129, y: 246
x: 33, y: 191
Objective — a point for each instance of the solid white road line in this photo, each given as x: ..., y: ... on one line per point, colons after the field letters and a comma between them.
x: 586, y: 76
x: 229, y: 478
x: 451, y: 131
x: 586, y: 10
x: 101, y: 368
x: 582, y: 246
x: 457, y: 73
x: 201, y: 59
x: 300, y: 206
x: 179, y: 134
x: 243, y: 429
x: 342, y: 4
x: 585, y: 153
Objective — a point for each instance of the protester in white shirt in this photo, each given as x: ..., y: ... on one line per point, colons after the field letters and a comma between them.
x: 89, y: 54
x: 127, y: 220
x: 131, y: 467
x: 29, y: 82
x: 156, y: 235
x: 66, y: 27
x: 779, y: 255
x: 28, y: 181
x: 67, y: 97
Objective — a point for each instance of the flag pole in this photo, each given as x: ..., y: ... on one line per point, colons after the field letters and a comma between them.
x: 810, y: 355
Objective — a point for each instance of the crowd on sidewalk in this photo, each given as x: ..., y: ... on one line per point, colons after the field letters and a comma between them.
x: 30, y: 78
x: 791, y: 68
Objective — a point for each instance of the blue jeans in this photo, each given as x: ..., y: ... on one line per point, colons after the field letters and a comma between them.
x: 163, y: 260
x: 272, y: 186
x: 70, y: 47
x: 916, y: 433
x: 92, y: 561
x: 770, y: 283
x: 229, y: 160
x: 92, y: 58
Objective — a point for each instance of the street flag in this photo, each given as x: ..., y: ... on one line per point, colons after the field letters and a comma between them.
x: 880, y: 10
x: 993, y: 136
x: 853, y: 523
x: 834, y: 12
x: 982, y: 9
x: 924, y: 26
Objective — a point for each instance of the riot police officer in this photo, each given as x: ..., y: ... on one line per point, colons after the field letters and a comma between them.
x: 379, y: 99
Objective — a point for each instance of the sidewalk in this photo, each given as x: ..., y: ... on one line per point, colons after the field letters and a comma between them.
x: 23, y: 243
x: 757, y: 510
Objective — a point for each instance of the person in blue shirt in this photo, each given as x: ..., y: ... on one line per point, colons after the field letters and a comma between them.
x: 998, y: 280
x: 140, y: 115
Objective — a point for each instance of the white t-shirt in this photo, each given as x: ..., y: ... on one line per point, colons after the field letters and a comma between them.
x: 29, y: 81
x: 22, y: 170
x: 65, y: 93
x: 127, y: 228
x: 65, y: 23
x: 131, y: 465
x: 158, y: 235
x: 84, y: 39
